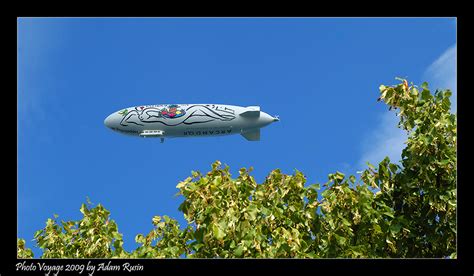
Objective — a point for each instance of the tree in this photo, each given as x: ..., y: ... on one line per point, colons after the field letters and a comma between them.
x: 94, y: 236
x: 22, y: 251
x: 406, y: 210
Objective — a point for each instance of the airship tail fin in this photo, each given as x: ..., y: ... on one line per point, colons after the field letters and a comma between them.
x: 253, y: 135
x: 251, y: 111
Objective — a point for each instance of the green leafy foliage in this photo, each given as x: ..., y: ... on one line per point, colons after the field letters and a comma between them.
x: 94, y: 236
x: 424, y: 197
x: 390, y: 210
x: 22, y: 251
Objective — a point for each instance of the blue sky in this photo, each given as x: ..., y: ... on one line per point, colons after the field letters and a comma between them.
x: 320, y: 75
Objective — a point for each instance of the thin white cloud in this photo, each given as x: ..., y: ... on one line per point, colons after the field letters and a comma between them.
x: 387, y: 139
x: 441, y: 74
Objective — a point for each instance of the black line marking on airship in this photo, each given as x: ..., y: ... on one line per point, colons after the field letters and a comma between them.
x: 219, y: 115
x: 140, y: 114
x: 197, y: 122
x: 134, y: 123
x: 230, y: 110
x: 161, y: 122
x: 208, y: 115
x: 128, y: 116
x: 182, y: 122
x: 226, y: 110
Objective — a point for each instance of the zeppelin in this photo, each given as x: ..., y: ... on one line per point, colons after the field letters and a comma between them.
x: 190, y: 120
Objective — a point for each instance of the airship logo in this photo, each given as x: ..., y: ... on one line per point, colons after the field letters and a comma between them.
x: 172, y: 112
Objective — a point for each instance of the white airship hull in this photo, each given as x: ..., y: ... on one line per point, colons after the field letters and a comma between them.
x: 190, y: 120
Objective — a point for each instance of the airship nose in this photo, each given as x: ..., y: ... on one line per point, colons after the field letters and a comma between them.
x: 109, y: 121
x: 267, y: 119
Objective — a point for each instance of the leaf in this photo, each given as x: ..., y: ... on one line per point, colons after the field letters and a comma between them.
x: 37, y: 233
x: 217, y: 231
x: 377, y: 228
x: 340, y: 239
x: 391, y: 245
x: 316, y: 187
x: 197, y: 246
x: 140, y: 238
x: 388, y: 214
x: 393, y: 168
x: 265, y: 211
x: 183, y: 183
x: 156, y: 220
x: 424, y: 85
x: 339, y: 175
x: 444, y: 162
x: 84, y: 209
x: 252, y: 211
x: 191, y: 187
x: 395, y: 228
x: 425, y: 95
x: 327, y: 193
x: 238, y: 251
x: 345, y: 222
x: 118, y: 244
x: 331, y: 223
x: 223, y: 225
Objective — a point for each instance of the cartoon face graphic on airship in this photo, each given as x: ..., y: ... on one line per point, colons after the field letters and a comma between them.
x: 190, y: 120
